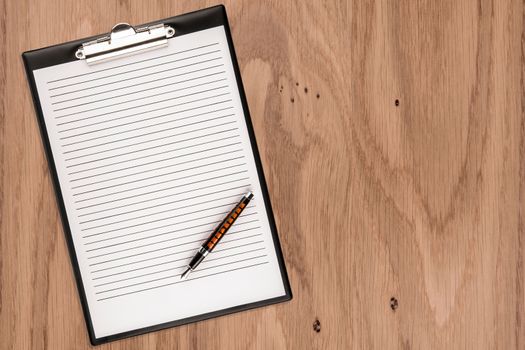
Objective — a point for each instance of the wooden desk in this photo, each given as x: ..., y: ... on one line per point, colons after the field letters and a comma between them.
x: 393, y: 139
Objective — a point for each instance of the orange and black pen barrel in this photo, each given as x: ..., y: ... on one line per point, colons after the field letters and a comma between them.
x: 217, y: 234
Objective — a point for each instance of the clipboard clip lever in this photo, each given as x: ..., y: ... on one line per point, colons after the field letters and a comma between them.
x: 124, y: 40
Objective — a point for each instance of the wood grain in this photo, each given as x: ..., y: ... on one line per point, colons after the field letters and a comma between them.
x: 423, y: 202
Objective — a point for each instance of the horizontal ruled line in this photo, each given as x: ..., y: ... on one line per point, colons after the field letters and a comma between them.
x: 161, y: 197
x: 155, y: 154
x: 168, y: 151
x: 145, y: 119
x: 146, y: 104
x: 157, y: 227
x: 146, y: 127
x: 150, y: 222
x: 158, y: 161
x: 200, y: 240
x: 152, y: 206
x: 183, y: 214
x: 183, y: 281
x: 140, y: 91
x: 156, y: 176
x: 173, y: 276
x: 169, y: 247
x: 154, y: 221
x: 151, y: 125
x: 205, y: 262
x: 141, y: 268
x: 152, y: 199
x: 167, y: 218
x: 165, y: 196
x: 214, y: 222
x: 165, y: 137
x: 178, y: 267
x: 169, y: 262
x: 159, y: 190
x: 163, y: 241
x: 157, y: 183
x: 106, y: 120
x: 136, y: 70
x: 147, y: 215
x: 171, y: 254
x: 137, y: 77
x: 144, y: 83
x: 142, y: 113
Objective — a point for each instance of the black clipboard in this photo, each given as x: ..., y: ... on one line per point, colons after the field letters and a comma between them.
x: 63, y: 53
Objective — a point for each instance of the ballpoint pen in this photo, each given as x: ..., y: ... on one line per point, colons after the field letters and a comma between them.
x: 217, y: 234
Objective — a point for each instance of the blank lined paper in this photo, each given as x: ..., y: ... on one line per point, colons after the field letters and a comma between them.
x: 152, y: 151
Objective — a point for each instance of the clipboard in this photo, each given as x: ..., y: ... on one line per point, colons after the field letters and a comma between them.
x: 125, y: 41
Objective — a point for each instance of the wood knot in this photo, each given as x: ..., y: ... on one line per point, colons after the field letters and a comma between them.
x: 317, y: 326
x: 393, y: 303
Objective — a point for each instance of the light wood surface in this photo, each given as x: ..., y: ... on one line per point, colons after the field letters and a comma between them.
x: 423, y: 202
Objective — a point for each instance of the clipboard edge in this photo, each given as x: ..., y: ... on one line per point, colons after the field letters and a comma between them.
x: 27, y: 56
x: 257, y: 158
x: 208, y: 14
x: 190, y: 320
x: 59, y: 199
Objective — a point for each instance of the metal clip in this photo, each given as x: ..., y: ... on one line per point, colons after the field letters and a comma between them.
x: 124, y: 40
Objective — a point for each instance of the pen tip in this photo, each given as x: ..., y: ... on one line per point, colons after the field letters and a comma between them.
x: 185, y: 274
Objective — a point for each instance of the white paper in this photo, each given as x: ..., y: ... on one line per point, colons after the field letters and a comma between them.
x: 152, y: 151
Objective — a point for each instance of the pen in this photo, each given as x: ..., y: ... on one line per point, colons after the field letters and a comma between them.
x: 217, y: 234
